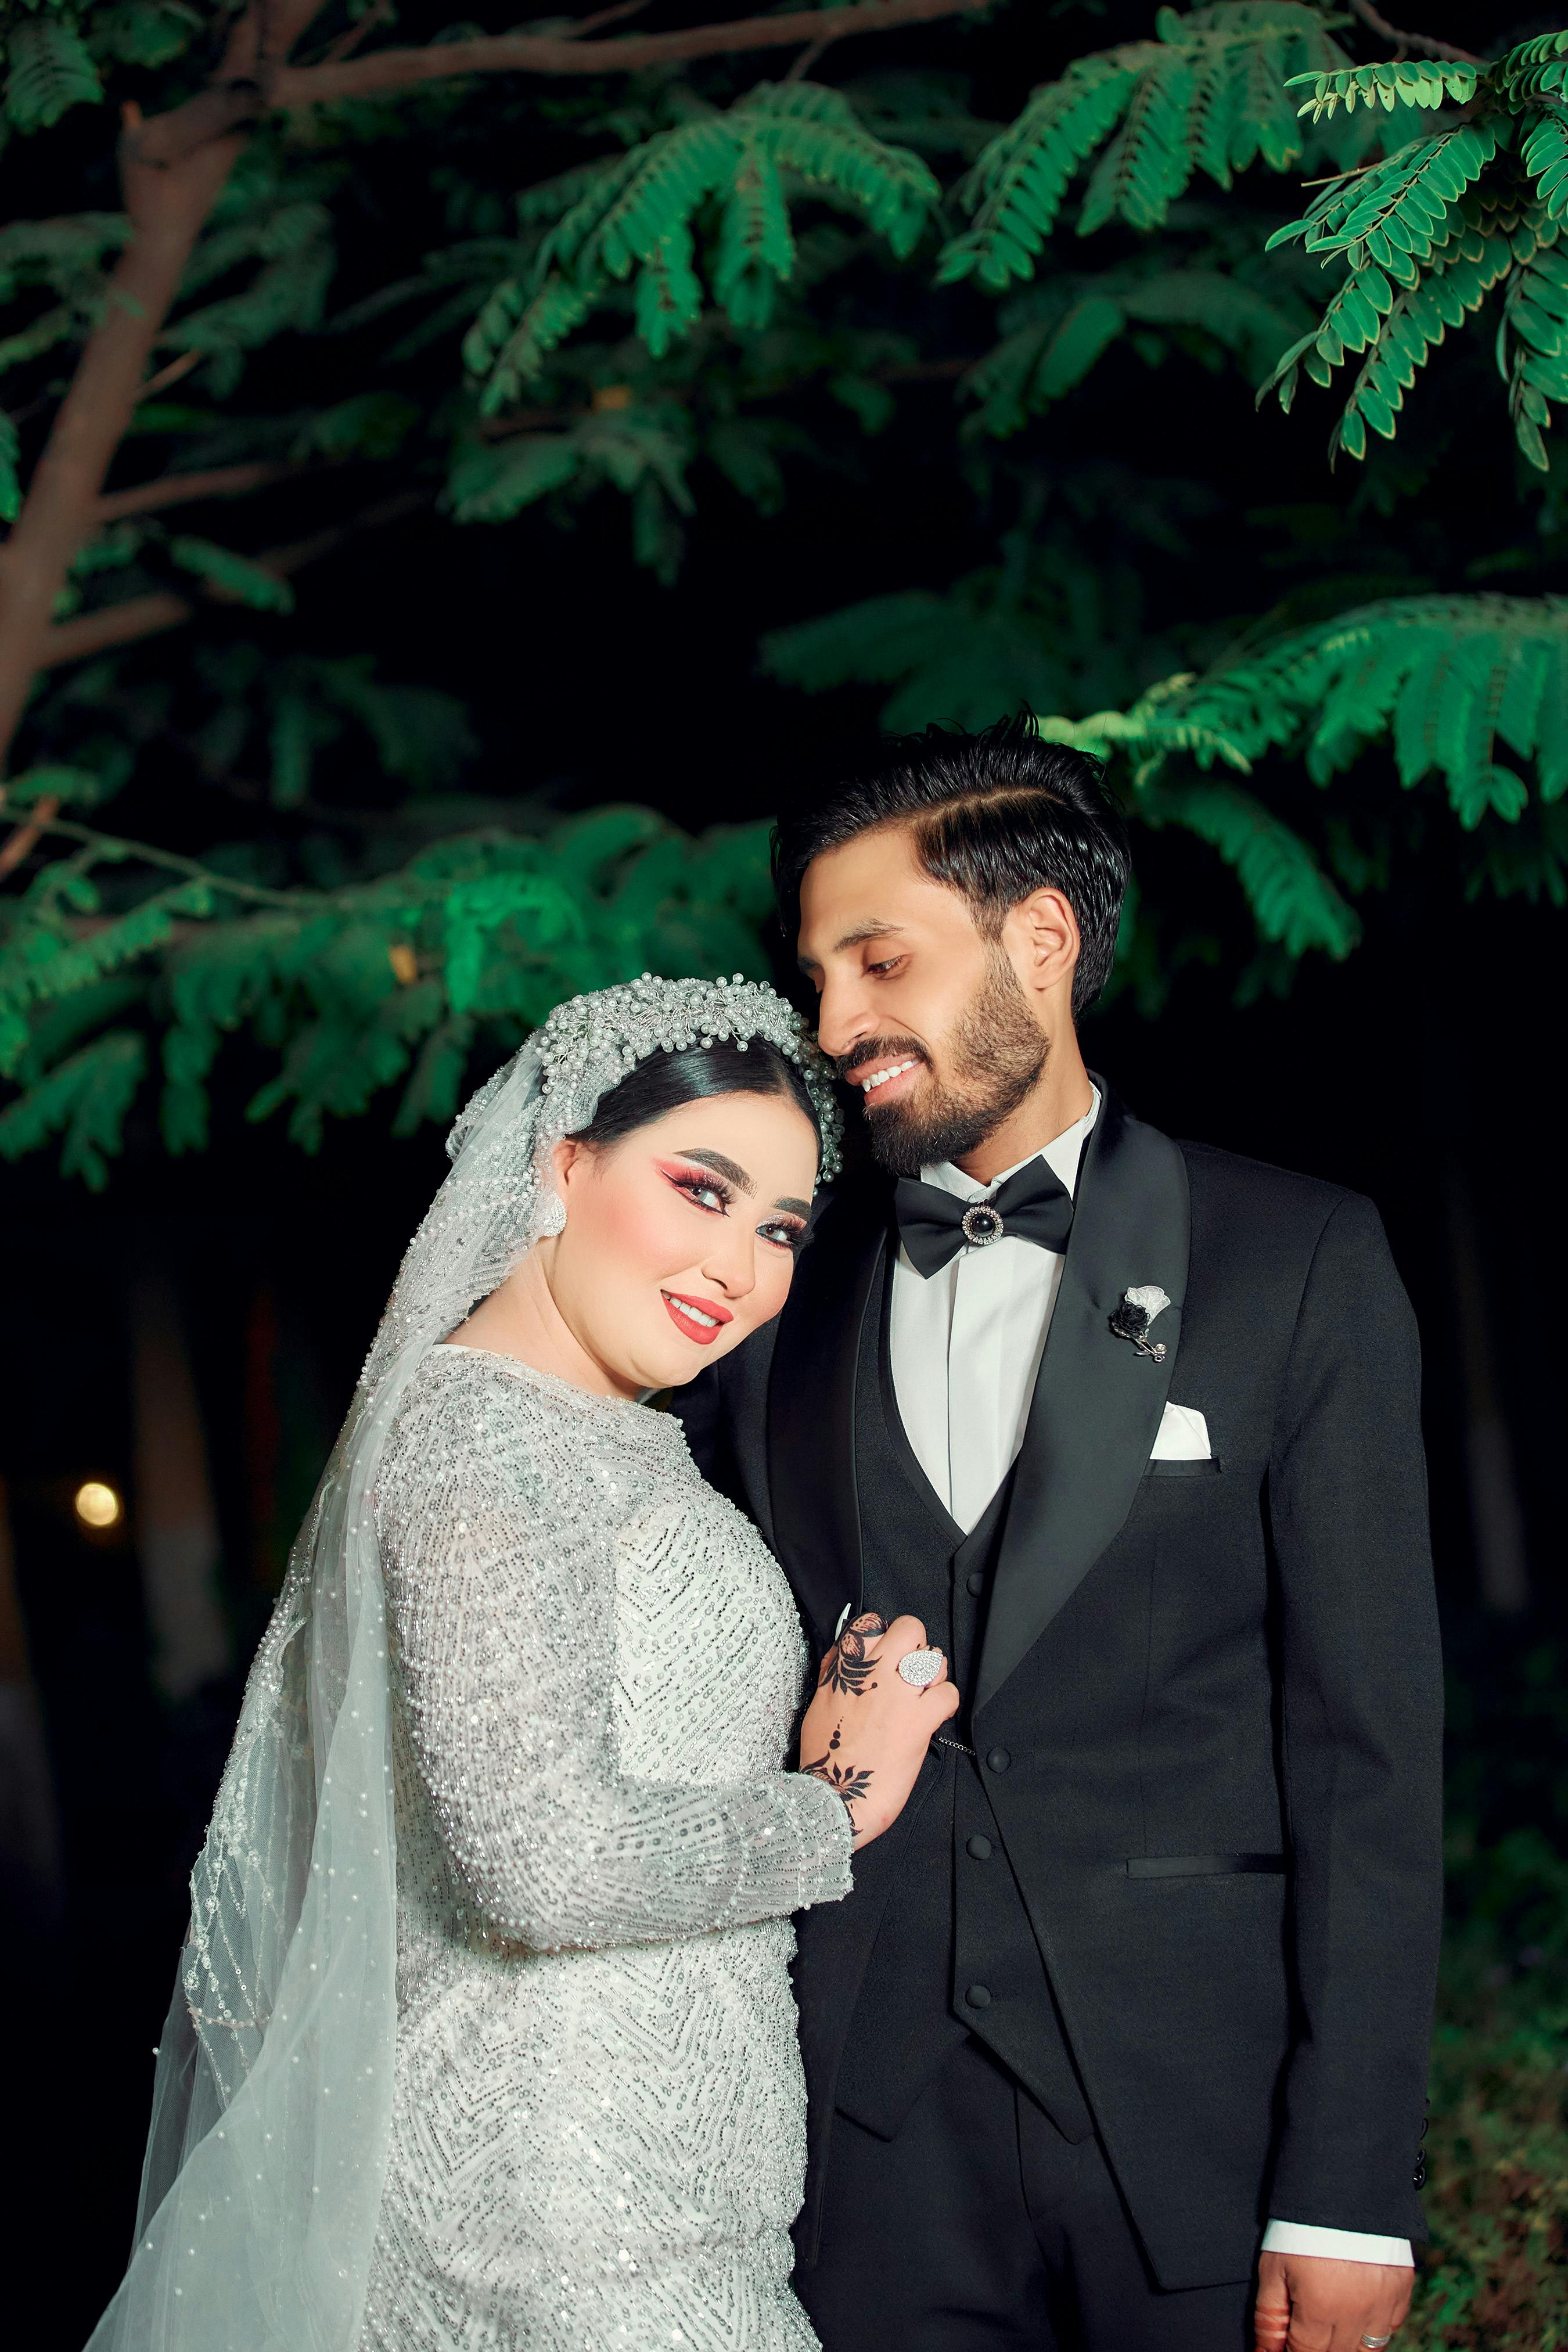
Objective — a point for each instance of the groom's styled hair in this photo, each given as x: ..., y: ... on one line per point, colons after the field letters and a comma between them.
x: 995, y: 815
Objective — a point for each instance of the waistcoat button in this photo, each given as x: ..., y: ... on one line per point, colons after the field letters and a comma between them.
x: 978, y: 1996
x: 999, y: 1760
x: 980, y: 1847
x: 975, y: 1581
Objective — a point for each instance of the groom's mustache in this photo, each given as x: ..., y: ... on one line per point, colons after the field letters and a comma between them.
x: 871, y: 1051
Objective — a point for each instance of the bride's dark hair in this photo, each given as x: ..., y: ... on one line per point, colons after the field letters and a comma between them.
x: 662, y: 1082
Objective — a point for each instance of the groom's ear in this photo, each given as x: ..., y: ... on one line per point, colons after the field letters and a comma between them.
x: 1041, y: 940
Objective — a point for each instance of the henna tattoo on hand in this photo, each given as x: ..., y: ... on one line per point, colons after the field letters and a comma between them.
x: 851, y: 1783
x: 846, y: 1668
x: 849, y: 1669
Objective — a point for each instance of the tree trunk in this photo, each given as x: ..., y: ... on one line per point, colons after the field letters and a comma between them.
x: 177, y: 1538
x: 168, y: 209
x: 169, y: 202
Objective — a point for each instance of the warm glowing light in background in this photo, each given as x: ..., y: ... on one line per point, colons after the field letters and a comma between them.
x: 97, y: 1506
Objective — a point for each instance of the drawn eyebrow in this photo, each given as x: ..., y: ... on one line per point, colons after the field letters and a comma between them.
x: 727, y: 1169
x: 795, y: 1208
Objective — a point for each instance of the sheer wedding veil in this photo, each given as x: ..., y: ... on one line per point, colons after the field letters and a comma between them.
x: 273, y: 2102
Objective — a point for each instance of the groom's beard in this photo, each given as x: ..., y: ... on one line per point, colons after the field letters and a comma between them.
x: 995, y: 1051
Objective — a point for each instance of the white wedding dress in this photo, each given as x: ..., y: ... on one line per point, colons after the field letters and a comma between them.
x: 598, y: 2114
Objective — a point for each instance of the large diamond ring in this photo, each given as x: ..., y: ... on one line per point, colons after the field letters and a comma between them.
x: 920, y: 1667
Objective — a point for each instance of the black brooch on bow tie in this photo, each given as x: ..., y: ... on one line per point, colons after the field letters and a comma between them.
x: 1132, y: 1317
x: 1033, y: 1206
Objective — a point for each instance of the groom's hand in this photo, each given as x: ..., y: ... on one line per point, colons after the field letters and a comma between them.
x: 1309, y: 2303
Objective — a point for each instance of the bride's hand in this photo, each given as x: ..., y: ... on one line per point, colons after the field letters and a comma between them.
x: 867, y: 1729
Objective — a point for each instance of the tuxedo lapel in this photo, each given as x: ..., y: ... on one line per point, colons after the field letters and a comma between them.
x: 1097, y: 1402
x: 811, y: 1401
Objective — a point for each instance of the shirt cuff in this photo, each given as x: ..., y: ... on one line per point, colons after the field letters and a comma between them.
x: 1338, y: 2245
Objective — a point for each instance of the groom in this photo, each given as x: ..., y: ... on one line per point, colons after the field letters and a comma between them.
x: 1119, y: 2043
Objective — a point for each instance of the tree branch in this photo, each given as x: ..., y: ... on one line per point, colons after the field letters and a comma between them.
x: 300, y: 551
x: 212, y: 111
x: 28, y: 834
x: 1422, y: 43
x: 135, y: 617
x: 168, y: 209
x: 125, y: 623
x: 42, y: 820
x: 180, y: 489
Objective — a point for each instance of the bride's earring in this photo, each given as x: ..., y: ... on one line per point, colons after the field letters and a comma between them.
x: 551, y: 1217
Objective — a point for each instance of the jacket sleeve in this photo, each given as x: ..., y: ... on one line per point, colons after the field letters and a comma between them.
x: 1362, y: 1738
x: 501, y: 1596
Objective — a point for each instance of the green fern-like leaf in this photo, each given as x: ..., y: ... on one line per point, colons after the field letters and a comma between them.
x: 1440, y: 681
x: 85, y: 1099
x: 1545, y: 153
x: 1208, y: 96
x: 1237, y: 317
x: 289, y: 292
x: 1147, y: 163
x: 1035, y: 629
x: 1415, y: 83
x: 669, y: 300
x: 636, y: 218
x: 816, y: 134
x: 50, y: 70
x: 756, y: 245
x: 79, y: 788
x: 1396, y: 312
x: 1537, y: 69
x: 233, y: 576
x: 299, y: 729
x: 66, y: 256
x: 963, y: 658
x: 56, y: 967
x: 514, y: 334
x: 1017, y: 188
x: 1393, y: 213
x: 144, y: 32
x: 1292, y: 900
x: 1533, y: 346
x: 493, y: 481
x: 1057, y: 332
x: 1075, y: 343
x: 41, y: 334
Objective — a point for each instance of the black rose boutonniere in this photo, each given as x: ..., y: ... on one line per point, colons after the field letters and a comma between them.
x: 1133, y: 1316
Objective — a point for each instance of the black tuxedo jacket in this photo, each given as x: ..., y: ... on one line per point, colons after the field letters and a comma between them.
x: 1182, y: 1665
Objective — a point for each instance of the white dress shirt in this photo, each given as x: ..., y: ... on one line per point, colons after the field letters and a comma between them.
x: 966, y: 1344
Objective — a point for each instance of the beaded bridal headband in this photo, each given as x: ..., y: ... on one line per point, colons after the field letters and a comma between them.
x: 590, y: 1042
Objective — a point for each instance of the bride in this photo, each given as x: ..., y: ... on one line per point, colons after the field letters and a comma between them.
x: 482, y: 2034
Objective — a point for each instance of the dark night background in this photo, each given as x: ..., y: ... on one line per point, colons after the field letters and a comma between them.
x: 1422, y: 1071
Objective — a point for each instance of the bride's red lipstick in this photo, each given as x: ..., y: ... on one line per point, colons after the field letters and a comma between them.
x: 704, y: 1333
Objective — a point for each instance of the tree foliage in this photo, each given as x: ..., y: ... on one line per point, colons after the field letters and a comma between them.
x: 1427, y: 233
x: 502, y: 283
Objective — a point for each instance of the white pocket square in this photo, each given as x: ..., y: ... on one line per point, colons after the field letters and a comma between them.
x: 1184, y: 1435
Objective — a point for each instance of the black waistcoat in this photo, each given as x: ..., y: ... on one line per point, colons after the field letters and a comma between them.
x: 955, y: 1953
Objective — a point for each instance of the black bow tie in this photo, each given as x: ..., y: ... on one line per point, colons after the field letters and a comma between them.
x: 933, y: 1225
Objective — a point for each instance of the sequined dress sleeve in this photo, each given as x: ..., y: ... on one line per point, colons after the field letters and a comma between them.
x: 501, y: 1501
